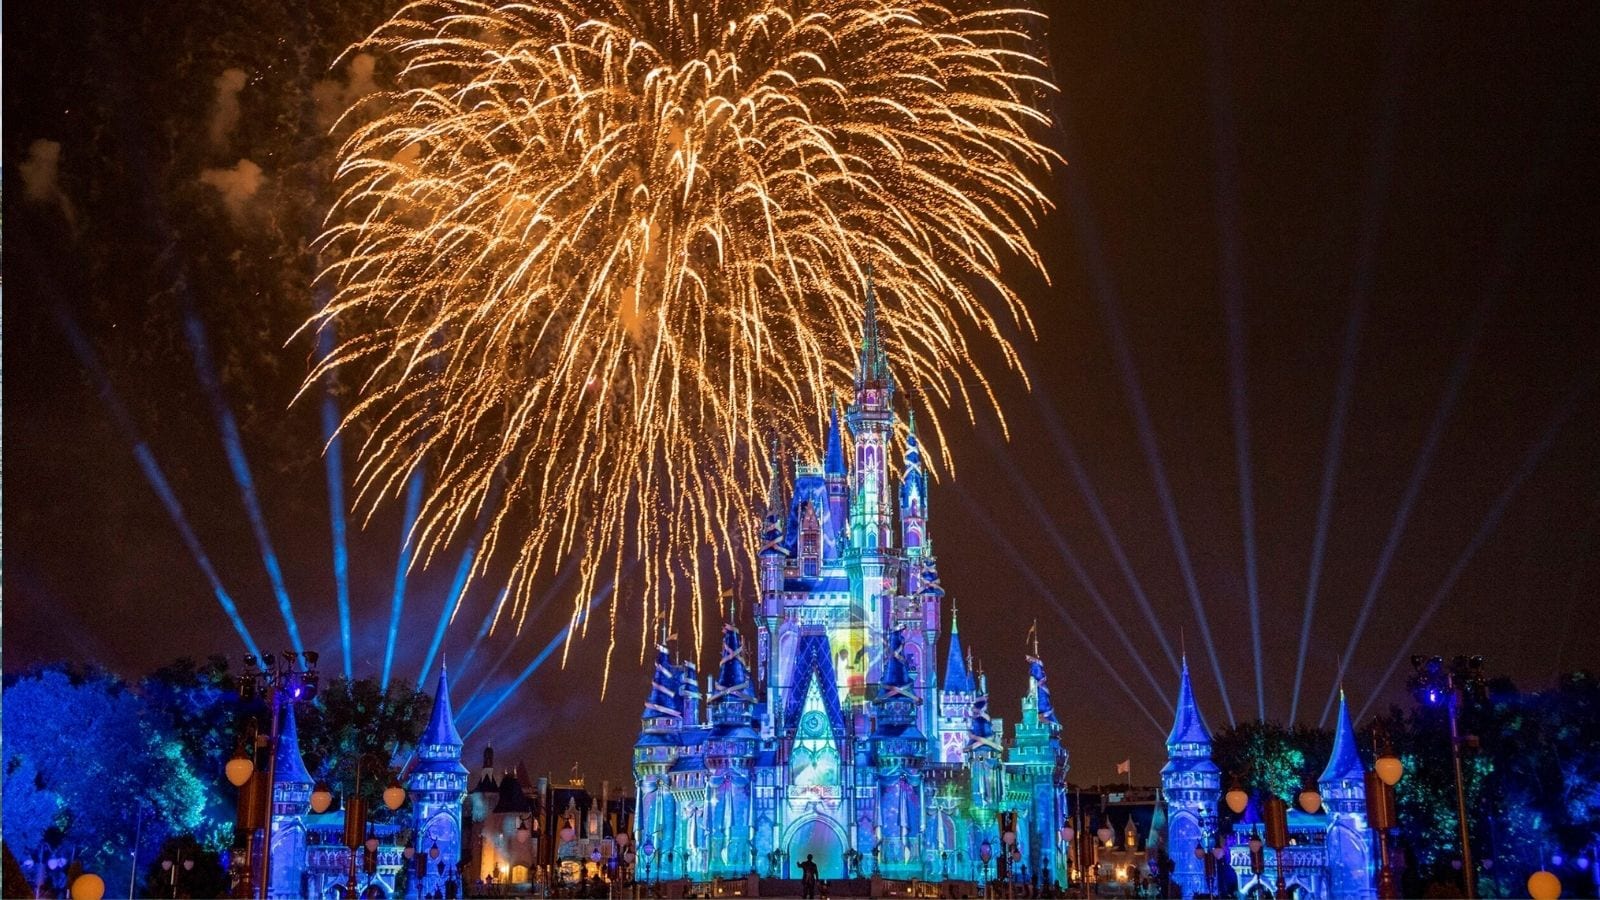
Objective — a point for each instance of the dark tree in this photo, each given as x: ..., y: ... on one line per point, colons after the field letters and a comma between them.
x: 353, y: 718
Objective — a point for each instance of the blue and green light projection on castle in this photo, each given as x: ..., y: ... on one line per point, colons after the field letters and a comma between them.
x: 842, y: 744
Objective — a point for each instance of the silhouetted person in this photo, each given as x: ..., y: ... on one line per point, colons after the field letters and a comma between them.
x: 808, y: 877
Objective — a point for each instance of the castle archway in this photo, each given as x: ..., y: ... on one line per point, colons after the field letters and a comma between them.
x: 818, y: 838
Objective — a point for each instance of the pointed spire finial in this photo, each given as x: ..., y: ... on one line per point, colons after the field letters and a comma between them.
x: 873, y: 367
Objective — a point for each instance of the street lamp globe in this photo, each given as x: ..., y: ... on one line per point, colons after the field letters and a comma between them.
x: 986, y: 851
x: 1255, y: 842
x: 1544, y: 885
x: 321, y: 798
x: 1105, y: 834
x: 1237, y: 800
x: 1067, y: 834
x: 1389, y: 769
x: 240, y: 768
x: 88, y: 886
x: 394, y: 796
x: 372, y: 843
x: 1311, y: 799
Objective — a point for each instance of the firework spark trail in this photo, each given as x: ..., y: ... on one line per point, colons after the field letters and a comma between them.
x: 991, y: 529
x: 549, y: 594
x: 1378, y: 171
x: 1491, y: 520
x: 233, y: 446
x: 157, y: 479
x: 606, y: 249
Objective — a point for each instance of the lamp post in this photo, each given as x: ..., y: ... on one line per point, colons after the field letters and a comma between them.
x: 288, y: 678
x: 985, y: 853
x: 1379, y: 784
x: 355, y: 813
x: 1275, y: 813
x: 1439, y: 685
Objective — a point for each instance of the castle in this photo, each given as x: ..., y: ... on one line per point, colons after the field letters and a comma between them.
x: 311, y: 856
x: 1331, y: 853
x: 842, y: 745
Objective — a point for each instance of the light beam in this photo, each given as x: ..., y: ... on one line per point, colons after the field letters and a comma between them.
x: 1088, y: 234
x: 1231, y: 287
x: 1491, y: 520
x: 402, y: 568
x: 153, y: 474
x: 1372, y: 206
x: 992, y: 530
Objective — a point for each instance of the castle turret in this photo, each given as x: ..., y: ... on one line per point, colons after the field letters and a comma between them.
x: 730, y: 756
x: 658, y: 747
x: 1192, y: 784
x: 913, y: 496
x: 835, y: 476
x: 983, y: 755
x: 1036, y: 767
x: 898, y: 750
x: 955, y: 700
x: 871, y: 419
x: 1352, y: 856
x: 291, y: 800
x: 438, y: 784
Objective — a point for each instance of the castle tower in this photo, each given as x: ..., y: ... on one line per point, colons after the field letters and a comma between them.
x: 1352, y: 856
x: 913, y: 497
x: 898, y: 751
x: 438, y: 785
x: 291, y: 800
x: 983, y: 760
x: 835, y: 477
x: 1192, y: 784
x: 871, y: 419
x: 956, y: 697
x: 730, y: 757
x: 653, y: 756
x: 1036, y: 768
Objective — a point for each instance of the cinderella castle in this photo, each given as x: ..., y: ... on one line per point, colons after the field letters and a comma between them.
x: 842, y: 745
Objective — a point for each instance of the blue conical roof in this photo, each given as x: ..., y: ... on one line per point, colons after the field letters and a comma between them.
x: 894, y: 664
x: 441, y: 731
x: 1047, y: 709
x: 733, y: 679
x: 914, y: 485
x: 289, y: 767
x: 956, y: 676
x: 833, y: 463
x: 1344, y: 763
x: 663, y: 701
x: 1188, y: 727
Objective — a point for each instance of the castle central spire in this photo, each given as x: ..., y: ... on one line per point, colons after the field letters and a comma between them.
x: 872, y: 367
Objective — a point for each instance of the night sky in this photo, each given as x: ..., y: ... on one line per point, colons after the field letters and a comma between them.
x: 1262, y: 204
